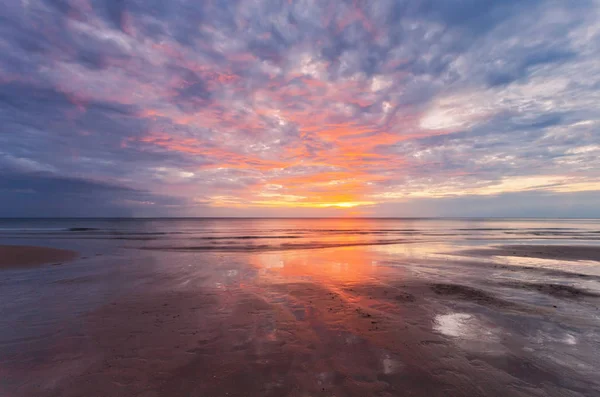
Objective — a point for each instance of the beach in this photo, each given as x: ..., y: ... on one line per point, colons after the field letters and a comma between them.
x: 302, y: 308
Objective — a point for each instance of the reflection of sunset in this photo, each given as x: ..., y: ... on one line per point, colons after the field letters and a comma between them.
x: 344, y: 265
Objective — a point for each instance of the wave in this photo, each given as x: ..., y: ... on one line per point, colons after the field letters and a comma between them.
x: 273, y: 247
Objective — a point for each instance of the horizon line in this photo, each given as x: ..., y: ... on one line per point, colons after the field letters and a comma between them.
x: 296, y: 217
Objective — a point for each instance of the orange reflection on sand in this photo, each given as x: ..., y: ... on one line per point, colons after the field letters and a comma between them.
x: 332, y: 265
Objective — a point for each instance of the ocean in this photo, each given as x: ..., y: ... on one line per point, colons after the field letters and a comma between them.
x: 336, y: 306
x: 251, y: 234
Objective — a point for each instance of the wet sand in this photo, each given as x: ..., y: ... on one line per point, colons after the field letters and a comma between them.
x: 15, y: 256
x: 567, y: 252
x: 328, y: 322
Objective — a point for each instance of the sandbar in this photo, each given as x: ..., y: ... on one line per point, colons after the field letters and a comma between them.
x: 16, y: 256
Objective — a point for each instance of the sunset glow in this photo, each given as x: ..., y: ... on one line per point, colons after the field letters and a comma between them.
x: 284, y: 108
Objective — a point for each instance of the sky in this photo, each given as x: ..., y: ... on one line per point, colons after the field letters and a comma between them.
x: 300, y: 108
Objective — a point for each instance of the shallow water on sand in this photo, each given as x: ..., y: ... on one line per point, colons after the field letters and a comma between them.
x: 303, y: 308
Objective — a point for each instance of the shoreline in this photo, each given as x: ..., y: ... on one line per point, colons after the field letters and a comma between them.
x: 24, y: 256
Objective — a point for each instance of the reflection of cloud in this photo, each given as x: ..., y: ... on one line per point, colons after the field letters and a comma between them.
x: 466, y: 327
x: 555, y: 336
x: 340, y: 104
x: 455, y: 324
x: 390, y: 365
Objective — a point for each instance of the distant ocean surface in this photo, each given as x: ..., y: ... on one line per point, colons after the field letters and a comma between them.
x: 265, y: 234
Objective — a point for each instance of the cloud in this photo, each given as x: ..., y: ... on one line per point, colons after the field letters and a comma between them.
x: 270, y: 107
x: 46, y: 195
x: 510, y: 205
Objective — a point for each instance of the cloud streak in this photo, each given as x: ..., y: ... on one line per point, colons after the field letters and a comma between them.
x: 255, y: 107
